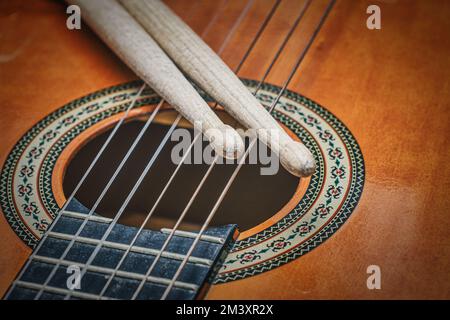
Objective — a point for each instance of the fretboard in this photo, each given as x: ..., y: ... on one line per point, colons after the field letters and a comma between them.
x: 34, y: 281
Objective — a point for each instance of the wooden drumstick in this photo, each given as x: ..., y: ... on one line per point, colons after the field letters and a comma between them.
x: 198, y: 61
x: 141, y: 53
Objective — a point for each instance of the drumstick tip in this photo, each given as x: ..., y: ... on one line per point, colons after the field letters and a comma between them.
x: 297, y: 159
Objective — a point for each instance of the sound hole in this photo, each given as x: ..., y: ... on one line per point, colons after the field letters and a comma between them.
x: 252, y: 199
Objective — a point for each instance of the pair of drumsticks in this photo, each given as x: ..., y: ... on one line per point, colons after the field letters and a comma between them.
x: 151, y: 39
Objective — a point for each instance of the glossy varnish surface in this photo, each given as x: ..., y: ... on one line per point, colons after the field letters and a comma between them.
x: 389, y: 86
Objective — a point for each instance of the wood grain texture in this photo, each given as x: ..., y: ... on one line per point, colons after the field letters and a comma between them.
x: 390, y: 87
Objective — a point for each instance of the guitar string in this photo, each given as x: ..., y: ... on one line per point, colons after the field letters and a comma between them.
x: 169, y: 182
x: 181, y: 217
x: 247, y: 52
x: 131, y: 194
x: 254, y: 41
x: 99, y: 199
x: 135, y: 187
x: 279, y: 51
x: 258, y: 35
x: 236, y: 24
x: 78, y: 186
x: 216, y: 16
x: 283, y: 45
x: 232, y: 178
x: 93, y: 255
x: 86, y: 219
x: 113, y: 223
x: 80, y: 183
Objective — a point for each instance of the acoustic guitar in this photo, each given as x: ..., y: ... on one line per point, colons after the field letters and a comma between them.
x: 95, y: 102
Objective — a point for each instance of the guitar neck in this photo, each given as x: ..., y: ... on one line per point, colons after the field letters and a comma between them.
x: 111, y: 275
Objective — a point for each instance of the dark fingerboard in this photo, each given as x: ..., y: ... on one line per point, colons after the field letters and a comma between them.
x: 197, y: 273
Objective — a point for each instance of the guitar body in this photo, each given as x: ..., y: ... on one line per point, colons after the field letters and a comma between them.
x: 389, y: 87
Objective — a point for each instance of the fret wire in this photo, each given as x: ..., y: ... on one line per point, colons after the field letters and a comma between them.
x: 82, y: 216
x: 123, y: 247
x: 232, y: 178
x: 106, y: 188
x: 120, y: 273
x: 61, y: 291
x: 180, y: 233
x: 80, y: 183
x: 188, y: 234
